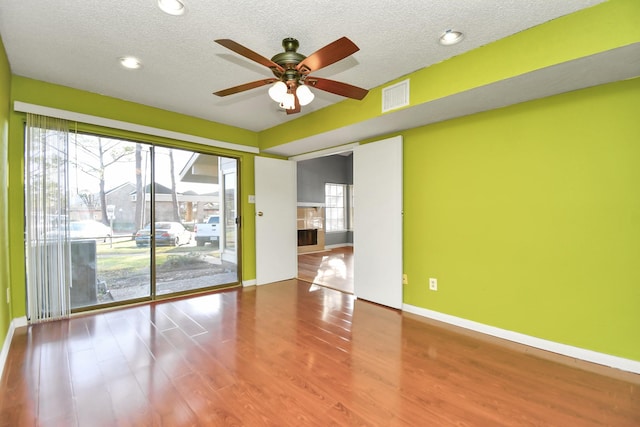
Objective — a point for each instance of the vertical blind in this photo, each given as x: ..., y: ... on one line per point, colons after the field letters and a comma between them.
x: 47, y: 246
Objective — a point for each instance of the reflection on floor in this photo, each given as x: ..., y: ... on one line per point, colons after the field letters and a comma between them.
x: 332, y: 268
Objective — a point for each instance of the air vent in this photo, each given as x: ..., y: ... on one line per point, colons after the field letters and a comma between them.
x: 395, y: 96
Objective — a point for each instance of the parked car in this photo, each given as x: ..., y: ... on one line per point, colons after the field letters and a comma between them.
x: 89, y: 230
x: 167, y: 233
x: 208, y: 231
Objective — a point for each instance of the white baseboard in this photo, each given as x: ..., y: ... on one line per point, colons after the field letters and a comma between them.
x: 246, y: 283
x: 339, y: 245
x: 15, y: 323
x: 621, y: 363
x: 5, y: 348
x: 19, y: 322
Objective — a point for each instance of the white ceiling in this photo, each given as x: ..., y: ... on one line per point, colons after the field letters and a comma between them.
x: 77, y: 43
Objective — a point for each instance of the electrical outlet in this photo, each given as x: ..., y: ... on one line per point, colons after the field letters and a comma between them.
x: 8, y: 295
x: 433, y: 284
x: 405, y: 279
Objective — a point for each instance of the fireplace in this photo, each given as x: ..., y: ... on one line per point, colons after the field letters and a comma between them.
x: 310, y: 227
x: 308, y: 237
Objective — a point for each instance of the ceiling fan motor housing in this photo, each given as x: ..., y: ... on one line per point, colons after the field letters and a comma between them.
x: 288, y: 60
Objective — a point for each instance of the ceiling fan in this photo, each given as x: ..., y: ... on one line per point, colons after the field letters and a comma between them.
x: 291, y: 70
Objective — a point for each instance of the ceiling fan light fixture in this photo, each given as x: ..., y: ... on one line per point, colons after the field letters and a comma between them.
x: 172, y: 7
x: 288, y: 101
x: 277, y: 91
x: 451, y: 37
x: 304, y: 94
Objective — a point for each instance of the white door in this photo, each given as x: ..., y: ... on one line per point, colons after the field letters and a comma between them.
x: 276, y: 228
x: 377, y: 234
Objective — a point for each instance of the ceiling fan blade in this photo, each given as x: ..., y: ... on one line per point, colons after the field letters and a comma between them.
x: 333, y: 52
x: 297, y: 108
x: 246, y: 86
x: 339, y: 88
x: 248, y: 53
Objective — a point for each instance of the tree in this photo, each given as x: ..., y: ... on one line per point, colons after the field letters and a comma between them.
x: 95, y: 159
x: 90, y: 200
x: 139, y: 217
x: 174, y: 194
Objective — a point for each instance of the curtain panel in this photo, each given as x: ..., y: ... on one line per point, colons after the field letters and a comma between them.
x: 47, y: 243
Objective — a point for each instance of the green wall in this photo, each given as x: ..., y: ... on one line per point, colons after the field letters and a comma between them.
x: 55, y: 96
x: 5, y: 87
x: 587, y: 32
x: 529, y: 217
x: 66, y: 98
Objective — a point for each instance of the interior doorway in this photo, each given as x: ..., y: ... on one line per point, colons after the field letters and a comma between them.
x: 377, y: 206
x: 325, y: 220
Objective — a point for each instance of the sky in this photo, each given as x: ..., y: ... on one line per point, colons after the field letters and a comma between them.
x: 123, y: 170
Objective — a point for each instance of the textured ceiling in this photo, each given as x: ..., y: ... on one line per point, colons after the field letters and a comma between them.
x: 77, y: 43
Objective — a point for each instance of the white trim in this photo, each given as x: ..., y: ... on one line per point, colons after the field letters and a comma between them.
x: 563, y: 349
x: 338, y: 245
x: 247, y: 283
x: 310, y: 205
x: 20, y: 322
x: 326, y: 152
x: 133, y: 127
x: 5, y: 348
x: 15, y: 323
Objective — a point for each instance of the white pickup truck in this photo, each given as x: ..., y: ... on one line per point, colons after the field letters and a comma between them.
x: 208, y: 231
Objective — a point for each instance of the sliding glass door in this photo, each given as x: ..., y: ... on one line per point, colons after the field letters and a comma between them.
x: 190, y: 214
x: 106, y: 176
x: 147, y: 221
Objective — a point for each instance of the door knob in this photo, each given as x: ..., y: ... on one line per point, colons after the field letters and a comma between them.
x: 260, y: 213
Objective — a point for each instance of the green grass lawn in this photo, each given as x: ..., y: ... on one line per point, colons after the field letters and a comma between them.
x: 125, y: 256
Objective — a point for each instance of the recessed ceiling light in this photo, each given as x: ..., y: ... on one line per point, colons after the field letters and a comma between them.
x: 451, y: 37
x: 130, y: 62
x: 172, y: 7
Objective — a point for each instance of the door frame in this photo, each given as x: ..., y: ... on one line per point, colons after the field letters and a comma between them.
x: 396, y: 302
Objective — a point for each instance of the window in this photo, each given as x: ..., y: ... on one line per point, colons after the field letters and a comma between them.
x: 104, y: 242
x: 335, y: 206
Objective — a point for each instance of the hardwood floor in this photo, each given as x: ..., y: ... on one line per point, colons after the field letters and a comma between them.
x: 289, y: 354
x: 332, y: 268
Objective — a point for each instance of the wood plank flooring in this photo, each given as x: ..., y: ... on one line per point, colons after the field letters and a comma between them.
x: 332, y: 268
x: 289, y: 354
